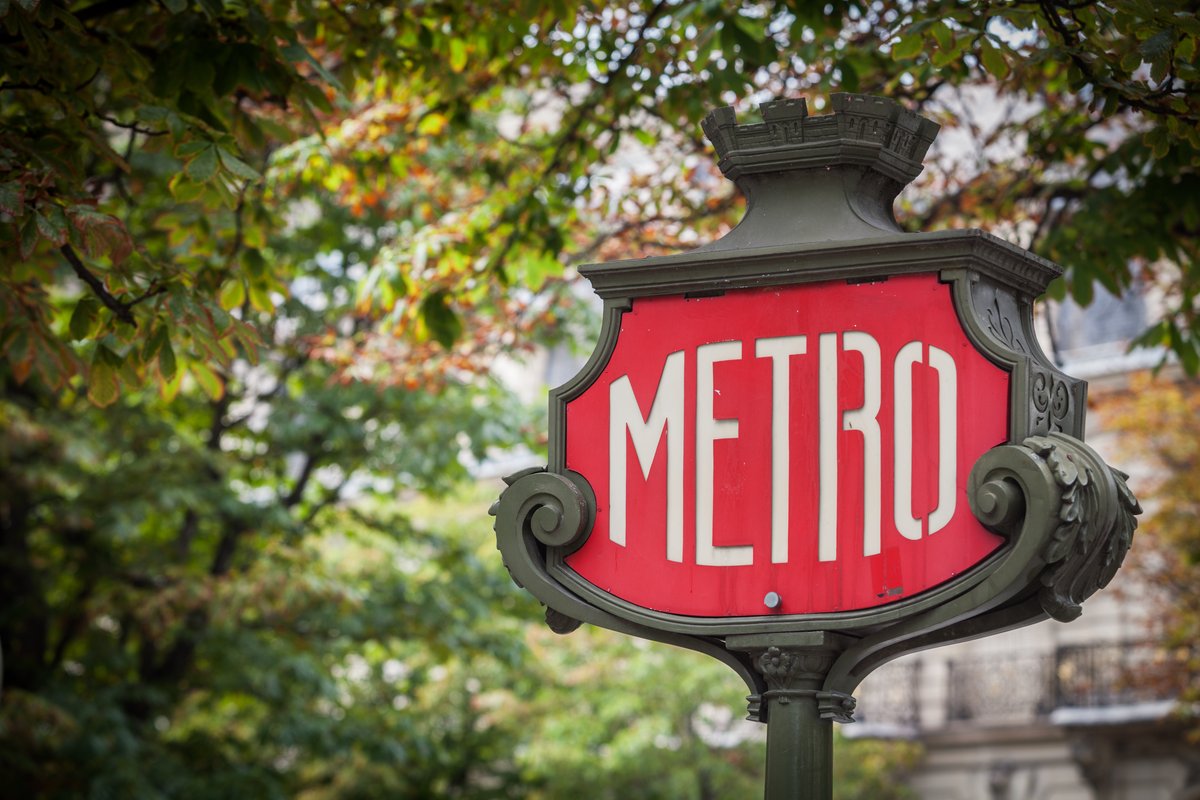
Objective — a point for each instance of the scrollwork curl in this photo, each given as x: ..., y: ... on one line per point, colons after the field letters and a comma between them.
x: 1041, y: 391
x: 1096, y: 520
x: 1050, y: 396
x: 553, y: 508
x: 1060, y: 401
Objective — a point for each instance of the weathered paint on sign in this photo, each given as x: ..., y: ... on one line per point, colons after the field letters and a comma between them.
x: 813, y: 441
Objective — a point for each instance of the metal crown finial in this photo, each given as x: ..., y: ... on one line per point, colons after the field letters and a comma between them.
x: 862, y: 131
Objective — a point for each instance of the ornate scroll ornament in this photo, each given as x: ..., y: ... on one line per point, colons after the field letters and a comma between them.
x: 1069, y: 519
x: 998, y: 319
x: 1096, y: 520
x: 541, y: 511
x: 794, y: 674
x: 1051, y: 401
x: 555, y: 509
x: 1000, y: 326
x: 783, y: 668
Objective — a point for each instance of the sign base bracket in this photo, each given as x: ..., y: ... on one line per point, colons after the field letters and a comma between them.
x: 798, y: 711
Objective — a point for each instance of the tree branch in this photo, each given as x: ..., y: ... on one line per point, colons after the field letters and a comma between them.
x: 582, y: 112
x: 72, y: 625
x: 226, y: 548
x: 1124, y: 96
x: 129, y: 126
x: 639, y: 224
x: 329, y: 499
x: 121, y: 310
x: 154, y: 291
x: 293, y: 497
x: 191, y: 518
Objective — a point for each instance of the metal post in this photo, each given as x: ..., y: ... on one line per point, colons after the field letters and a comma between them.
x: 799, y: 748
x: 799, y: 712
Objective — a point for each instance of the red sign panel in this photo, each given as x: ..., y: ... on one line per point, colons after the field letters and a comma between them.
x: 813, y: 441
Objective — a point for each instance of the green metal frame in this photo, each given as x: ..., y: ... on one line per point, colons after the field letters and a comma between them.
x: 1067, y: 516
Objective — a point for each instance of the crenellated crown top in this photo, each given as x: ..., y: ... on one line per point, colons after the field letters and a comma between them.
x: 862, y: 131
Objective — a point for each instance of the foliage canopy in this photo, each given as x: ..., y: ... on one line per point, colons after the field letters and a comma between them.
x: 261, y: 256
x: 153, y: 154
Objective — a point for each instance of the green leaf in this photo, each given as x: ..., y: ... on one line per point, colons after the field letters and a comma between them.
x: 1157, y: 45
x: 49, y: 363
x: 253, y: 261
x: 432, y: 124
x: 201, y: 168
x: 535, y: 269
x: 188, y: 149
x: 166, y: 361
x: 1189, y: 355
x: 52, y: 224
x: 199, y: 76
x: 236, y: 166
x: 1159, y: 141
x: 152, y: 113
x: 992, y: 59
x: 1185, y: 51
x: 1082, y: 290
x: 233, y: 293
x: 154, y: 343
x: 313, y: 96
x: 175, y: 6
x: 29, y: 237
x: 260, y: 297
x: 12, y: 198
x: 20, y: 353
x: 944, y: 36
x: 941, y: 57
x: 103, y: 385
x: 850, y: 77
x: 169, y: 388
x: 185, y: 190
x: 103, y: 234
x: 220, y: 319
x: 86, y: 312
x: 440, y: 319
x: 297, y: 52
x: 209, y: 381
x: 908, y: 46
x: 458, y: 55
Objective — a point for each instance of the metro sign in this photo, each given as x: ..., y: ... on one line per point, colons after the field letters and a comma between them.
x: 806, y: 441
x: 818, y: 443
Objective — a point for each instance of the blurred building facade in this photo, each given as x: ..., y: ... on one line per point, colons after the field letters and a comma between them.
x: 1053, y: 711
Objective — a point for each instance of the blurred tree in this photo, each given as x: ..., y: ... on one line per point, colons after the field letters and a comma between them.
x: 215, y: 596
x: 1088, y: 151
x: 261, y: 258
x: 1158, y: 420
x: 147, y: 148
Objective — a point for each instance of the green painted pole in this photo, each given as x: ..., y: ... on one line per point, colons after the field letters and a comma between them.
x: 799, y: 747
x: 799, y: 712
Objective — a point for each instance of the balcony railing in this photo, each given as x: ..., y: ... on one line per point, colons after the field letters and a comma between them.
x: 890, y: 706
x: 1032, y: 686
x: 1013, y: 688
